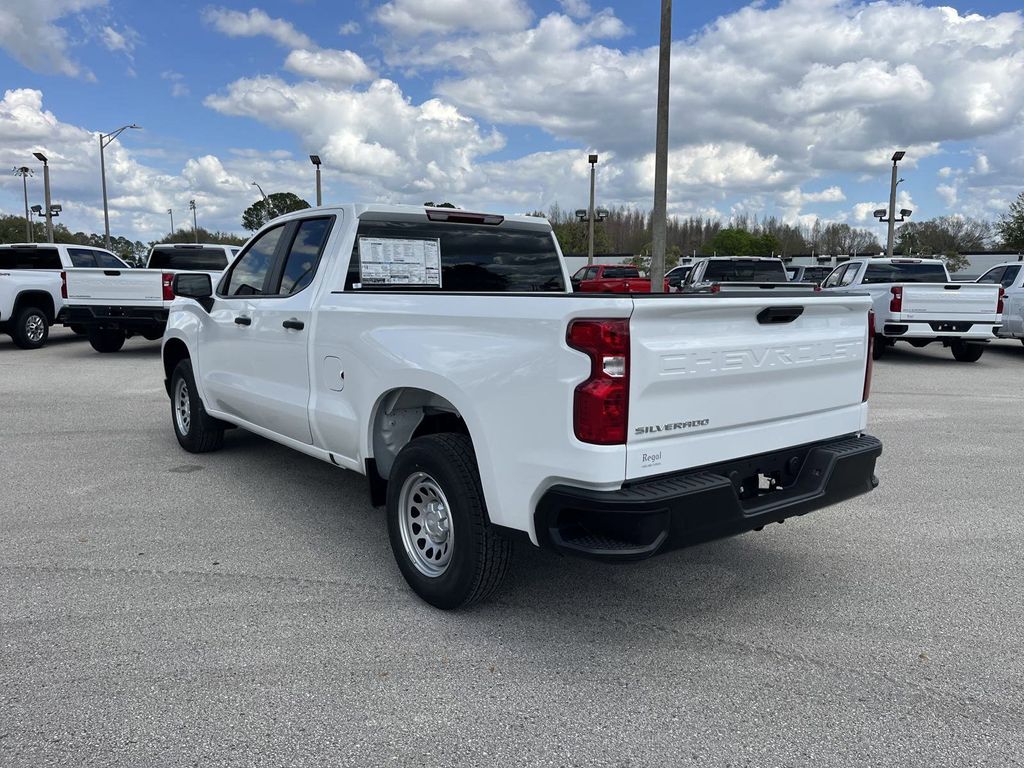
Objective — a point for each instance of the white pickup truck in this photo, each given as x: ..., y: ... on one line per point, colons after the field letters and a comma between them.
x: 115, y: 304
x: 916, y: 301
x: 31, y: 299
x: 443, y: 355
x: 730, y: 273
x: 1010, y: 276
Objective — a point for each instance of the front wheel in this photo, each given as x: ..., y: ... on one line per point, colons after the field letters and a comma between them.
x: 106, y: 339
x: 31, y: 328
x: 967, y: 353
x: 445, y: 547
x: 196, y: 430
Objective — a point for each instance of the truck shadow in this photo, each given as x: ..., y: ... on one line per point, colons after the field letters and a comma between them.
x: 542, y: 588
x: 904, y: 354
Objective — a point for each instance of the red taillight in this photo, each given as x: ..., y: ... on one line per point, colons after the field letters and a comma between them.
x: 896, y: 305
x: 871, y: 356
x: 63, y: 285
x: 999, y: 304
x: 601, y: 403
x: 168, y: 281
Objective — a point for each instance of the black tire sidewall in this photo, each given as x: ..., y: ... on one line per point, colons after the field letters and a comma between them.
x: 205, y: 433
x: 106, y: 340
x: 465, y: 499
x: 965, y: 352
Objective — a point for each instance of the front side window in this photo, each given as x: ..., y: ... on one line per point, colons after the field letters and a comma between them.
x: 250, y: 272
x: 1010, y: 276
x: 833, y: 280
x: 304, y: 255
x: 108, y: 261
x: 850, y: 275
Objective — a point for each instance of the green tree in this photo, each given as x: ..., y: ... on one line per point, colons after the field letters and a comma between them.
x: 573, y: 236
x: 1011, y: 225
x: 440, y: 205
x: 276, y: 204
x: 204, y: 236
x: 733, y: 242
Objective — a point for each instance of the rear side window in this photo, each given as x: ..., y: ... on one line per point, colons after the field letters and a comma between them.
x: 304, y: 255
x: 29, y: 258
x: 1010, y: 276
x: 81, y: 257
x: 904, y: 273
x: 740, y: 271
x: 474, y: 258
x: 993, y: 276
x: 107, y: 261
x: 202, y: 259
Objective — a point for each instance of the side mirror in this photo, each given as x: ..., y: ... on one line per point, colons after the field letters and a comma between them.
x: 191, y: 285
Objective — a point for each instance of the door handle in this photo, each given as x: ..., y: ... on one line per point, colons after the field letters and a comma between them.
x: 295, y: 325
x: 243, y: 320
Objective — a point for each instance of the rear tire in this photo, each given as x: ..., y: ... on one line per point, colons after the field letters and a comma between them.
x: 196, y: 430
x: 879, y: 347
x: 967, y: 353
x: 106, y: 339
x: 79, y: 330
x: 444, y: 545
x: 31, y: 328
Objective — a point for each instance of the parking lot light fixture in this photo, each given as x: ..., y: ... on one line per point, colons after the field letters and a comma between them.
x: 896, y: 157
x: 24, y: 171
x: 592, y: 159
x: 46, y: 193
x: 106, y: 139
x: 195, y: 225
x: 315, y: 160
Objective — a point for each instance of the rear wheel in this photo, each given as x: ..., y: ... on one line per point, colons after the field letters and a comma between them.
x: 31, y: 328
x: 106, y: 339
x: 196, y: 430
x: 445, y: 547
x: 879, y: 347
x: 967, y: 353
x: 79, y: 330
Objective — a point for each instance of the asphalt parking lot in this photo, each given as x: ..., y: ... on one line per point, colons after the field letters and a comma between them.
x: 243, y: 608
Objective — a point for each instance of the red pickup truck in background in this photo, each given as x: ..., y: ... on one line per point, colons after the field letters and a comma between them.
x: 611, y: 278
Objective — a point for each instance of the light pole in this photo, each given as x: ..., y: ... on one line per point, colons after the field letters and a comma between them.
x: 590, y: 211
x: 660, y: 212
x: 270, y: 205
x: 891, y: 219
x: 170, y: 212
x: 106, y: 139
x: 24, y: 171
x: 195, y: 226
x: 36, y: 210
x: 46, y: 194
x: 315, y: 160
x: 590, y: 215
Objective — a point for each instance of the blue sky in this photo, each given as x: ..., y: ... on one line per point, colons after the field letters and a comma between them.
x: 789, y: 108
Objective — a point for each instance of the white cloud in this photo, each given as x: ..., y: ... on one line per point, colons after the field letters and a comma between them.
x: 256, y: 23
x: 29, y: 33
x: 139, y: 194
x: 411, y: 18
x: 329, y: 66
x: 177, y: 80
x: 378, y: 137
x: 576, y: 8
x: 349, y: 28
x: 948, y: 194
x: 124, y: 41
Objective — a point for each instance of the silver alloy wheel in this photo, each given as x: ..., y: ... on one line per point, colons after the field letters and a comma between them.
x: 35, y: 327
x: 182, y: 407
x: 426, y: 524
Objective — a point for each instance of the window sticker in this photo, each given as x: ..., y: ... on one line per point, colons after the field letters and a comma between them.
x: 396, y: 261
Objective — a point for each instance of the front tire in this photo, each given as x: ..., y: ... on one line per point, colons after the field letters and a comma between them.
x: 967, y: 353
x: 31, y: 328
x: 444, y: 545
x: 196, y: 430
x: 106, y: 339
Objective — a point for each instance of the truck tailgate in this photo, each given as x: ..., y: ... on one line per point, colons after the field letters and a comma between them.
x: 129, y: 287
x: 957, y: 301
x: 715, y: 378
